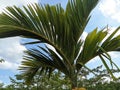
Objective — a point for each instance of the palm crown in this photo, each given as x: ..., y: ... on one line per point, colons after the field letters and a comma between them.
x: 62, y: 29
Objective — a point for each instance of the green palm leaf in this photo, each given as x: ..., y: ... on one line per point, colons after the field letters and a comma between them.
x: 62, y: 29
x: 46, y: 60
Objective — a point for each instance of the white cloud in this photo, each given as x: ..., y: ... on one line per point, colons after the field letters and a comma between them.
x: 1, y: 81
x: 110, y: 30
x: 111, y: 9
x: 10, y: 49
x: 25, y: 2
x: 12, y: 52
x: 19, y: 3
x: 84, y: 35
x: 5, y: 3
x: 9, y: 65
x: 115, y: 57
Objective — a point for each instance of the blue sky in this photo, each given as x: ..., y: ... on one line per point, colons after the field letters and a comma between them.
x: 106, y: 13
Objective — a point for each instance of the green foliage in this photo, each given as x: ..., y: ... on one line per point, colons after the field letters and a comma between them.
x: 2, y: 60
x: 58, y: 81
x: 61, y: 29
x: 1, y: 85
x: 101, y: 81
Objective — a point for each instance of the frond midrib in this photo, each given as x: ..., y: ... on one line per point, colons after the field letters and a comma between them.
x: 43, y: 37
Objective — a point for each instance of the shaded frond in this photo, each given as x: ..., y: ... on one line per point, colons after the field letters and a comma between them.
x: 50, y: 24
x: 42, y: 60
x: 97, y: 43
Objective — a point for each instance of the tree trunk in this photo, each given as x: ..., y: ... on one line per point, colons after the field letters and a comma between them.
x: 74, y: 88
x: 74, y: 85
x: 79, y: 89
x: 74, y: 82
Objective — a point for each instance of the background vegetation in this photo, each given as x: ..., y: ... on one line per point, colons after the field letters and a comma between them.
x: 99, y: 79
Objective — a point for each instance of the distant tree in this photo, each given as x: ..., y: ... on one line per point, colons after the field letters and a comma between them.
x: 58, y: 81
x: 2, y: 60
x: 1, y: 85
x: 100, y: 80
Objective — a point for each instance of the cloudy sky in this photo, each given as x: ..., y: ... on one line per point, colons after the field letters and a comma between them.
x: 106, y: 13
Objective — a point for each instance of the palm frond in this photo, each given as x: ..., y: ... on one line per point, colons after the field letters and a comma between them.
x: 112, y: 42
x: 79, y: 21
x: 96, y: 45
x: 50, y: 24
x: 43, y: 60
x: 90, y: 47
x: 107, y: 67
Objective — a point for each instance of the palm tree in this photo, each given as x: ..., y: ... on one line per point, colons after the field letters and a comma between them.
x: 61, y: 29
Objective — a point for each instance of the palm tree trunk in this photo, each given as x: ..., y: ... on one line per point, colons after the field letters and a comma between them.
x: 74, y: 81
x: 74, y: 84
